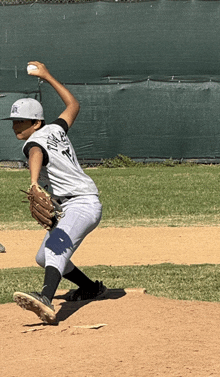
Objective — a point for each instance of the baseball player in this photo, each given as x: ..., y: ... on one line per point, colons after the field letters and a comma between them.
x: 53, y: 165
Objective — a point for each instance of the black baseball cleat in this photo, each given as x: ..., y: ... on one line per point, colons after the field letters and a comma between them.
x: 82, y: 295
x: 36, y: 303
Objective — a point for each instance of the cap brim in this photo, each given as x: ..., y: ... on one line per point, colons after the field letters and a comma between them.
x: 19, y: 119
x: 13, y: 118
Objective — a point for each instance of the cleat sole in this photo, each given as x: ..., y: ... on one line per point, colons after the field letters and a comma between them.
x: 27, y: 302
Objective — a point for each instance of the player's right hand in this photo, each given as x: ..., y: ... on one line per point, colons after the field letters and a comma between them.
x: 41, y: 70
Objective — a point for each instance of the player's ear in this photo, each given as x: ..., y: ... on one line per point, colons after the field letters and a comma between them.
x: 37, y: 125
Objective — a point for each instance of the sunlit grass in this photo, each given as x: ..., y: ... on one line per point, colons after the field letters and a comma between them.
x: 150, y: 196
x: 195, y: 282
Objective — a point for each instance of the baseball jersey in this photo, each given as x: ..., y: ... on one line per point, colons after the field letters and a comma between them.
x: 61, y: 173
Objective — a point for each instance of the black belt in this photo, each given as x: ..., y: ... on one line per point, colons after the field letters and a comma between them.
x: 59, y: 201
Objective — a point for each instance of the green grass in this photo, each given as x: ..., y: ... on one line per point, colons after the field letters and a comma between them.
x: 195, y: 282
x: 178, y: 195
x: 181, y: 195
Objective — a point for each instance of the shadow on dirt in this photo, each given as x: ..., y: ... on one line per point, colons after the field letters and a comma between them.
x: 70, y: 307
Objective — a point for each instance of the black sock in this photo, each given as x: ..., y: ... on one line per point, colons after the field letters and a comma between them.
x: 79, y: 278
x: 51, y: 281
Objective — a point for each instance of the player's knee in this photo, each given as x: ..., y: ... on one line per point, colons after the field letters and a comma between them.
x: 40, y: 259
x: 59, y: 242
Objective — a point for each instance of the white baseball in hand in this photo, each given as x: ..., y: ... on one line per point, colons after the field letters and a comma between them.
x: 31, y: 67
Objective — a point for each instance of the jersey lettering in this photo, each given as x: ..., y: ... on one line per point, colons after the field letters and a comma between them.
x: 60, y: 142
x: 67, y: 153
x: 62, y: 175
x: 53, y: 141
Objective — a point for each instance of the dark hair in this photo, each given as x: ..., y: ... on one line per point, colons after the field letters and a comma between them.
x: 42, y: 122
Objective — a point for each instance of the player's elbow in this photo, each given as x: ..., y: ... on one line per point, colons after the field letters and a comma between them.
x: 77, y: 107
x: 75, y: 110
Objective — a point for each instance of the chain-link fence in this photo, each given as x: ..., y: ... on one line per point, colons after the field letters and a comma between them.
x: 24, y: 165
x: 13, y: 165
x: 111, y: 163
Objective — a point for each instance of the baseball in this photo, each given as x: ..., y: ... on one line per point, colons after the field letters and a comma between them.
x: 31, y: 67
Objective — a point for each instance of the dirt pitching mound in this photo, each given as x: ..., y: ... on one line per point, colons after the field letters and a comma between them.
x: 128, y: 333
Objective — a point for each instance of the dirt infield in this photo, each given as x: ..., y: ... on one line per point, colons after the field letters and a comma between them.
x: 126, y: 334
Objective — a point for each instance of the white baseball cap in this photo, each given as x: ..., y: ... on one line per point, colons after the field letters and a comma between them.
x: 26, y: 108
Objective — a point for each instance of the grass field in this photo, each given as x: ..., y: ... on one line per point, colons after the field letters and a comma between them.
x: 195, y: 282
x: 181, y: 195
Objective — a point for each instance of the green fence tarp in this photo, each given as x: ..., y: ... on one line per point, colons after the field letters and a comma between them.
x: 147, y: 119
x: 147, y: 74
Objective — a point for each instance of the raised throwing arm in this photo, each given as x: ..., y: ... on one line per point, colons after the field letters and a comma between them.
x: 72, y: 105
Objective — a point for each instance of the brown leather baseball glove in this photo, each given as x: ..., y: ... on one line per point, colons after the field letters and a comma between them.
x: 43, y: 207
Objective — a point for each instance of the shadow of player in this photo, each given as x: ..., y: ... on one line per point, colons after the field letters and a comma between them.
x: 70, y: 307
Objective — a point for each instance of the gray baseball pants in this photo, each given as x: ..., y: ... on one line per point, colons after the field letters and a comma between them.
x: 82, y: 215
